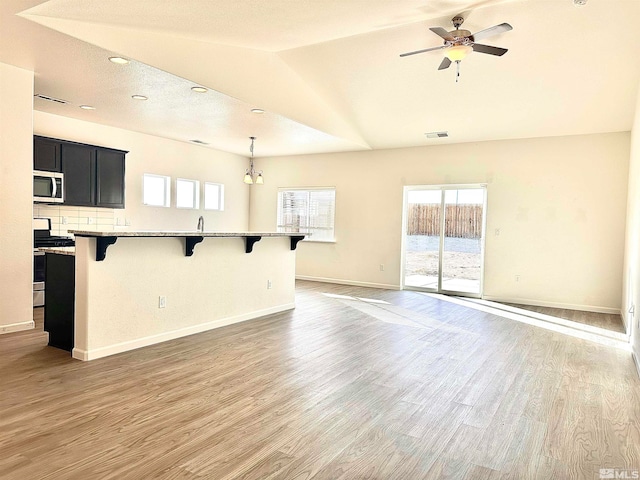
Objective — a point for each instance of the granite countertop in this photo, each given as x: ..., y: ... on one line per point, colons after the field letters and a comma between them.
x: 180, y: 233
x: 58, y: 250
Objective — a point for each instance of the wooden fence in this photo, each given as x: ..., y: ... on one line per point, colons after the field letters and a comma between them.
x: 461, y: 221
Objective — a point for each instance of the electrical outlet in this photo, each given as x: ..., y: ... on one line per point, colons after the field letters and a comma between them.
x: 517, y: 278
x: 127, y: 222
x: 65, y: 220
x: 162, y: 301
x: 497, y: 232
x: 269, y: 285
x: 90, y: 220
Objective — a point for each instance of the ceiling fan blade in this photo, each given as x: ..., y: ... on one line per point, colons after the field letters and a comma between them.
x: 445, y: 63
x: 498, y: 51
x: 423, y: 50
x: 442, y: 32
x: 495, y: 30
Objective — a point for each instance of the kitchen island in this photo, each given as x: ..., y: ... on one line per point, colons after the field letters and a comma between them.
x: 134, y: 289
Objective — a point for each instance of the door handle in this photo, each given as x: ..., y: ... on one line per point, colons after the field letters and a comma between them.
x: 54, y: 188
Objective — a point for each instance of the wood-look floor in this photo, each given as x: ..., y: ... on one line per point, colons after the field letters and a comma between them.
x: 339, y: 388
x: 601, y: 320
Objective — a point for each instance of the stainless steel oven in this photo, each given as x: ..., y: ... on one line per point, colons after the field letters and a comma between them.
x: 42, y: 238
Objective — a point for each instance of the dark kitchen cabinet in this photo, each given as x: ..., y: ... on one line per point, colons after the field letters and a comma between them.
x: 109, y: 178
x: 59, y: 308
x: 46, y: 154
x: 93, y: 176
x: 79, y: 168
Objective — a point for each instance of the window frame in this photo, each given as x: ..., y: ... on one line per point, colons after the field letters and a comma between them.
x: 167, y: 190
x: 195, y: 198
x: 220, y: 197
x: 307, y: 230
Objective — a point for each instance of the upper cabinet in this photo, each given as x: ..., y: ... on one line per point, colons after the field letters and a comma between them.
x: 79, y: 168
x: 93, y: 176
x: 46, y: 154
x: 110, y: 178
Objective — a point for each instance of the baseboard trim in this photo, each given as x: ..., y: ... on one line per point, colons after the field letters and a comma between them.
x: 636, y: 361
x: 340, y: 281
x: 567, y: 306
x: 92, y: 354
x: 17, y: 327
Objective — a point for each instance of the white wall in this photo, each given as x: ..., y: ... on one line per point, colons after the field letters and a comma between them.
x: 150, y: 154
x: 631, y: 288
x: 559, y: 204
x: 16, y: 160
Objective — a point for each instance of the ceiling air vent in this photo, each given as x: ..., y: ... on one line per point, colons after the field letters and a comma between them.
x: 199, y: 142
x: 50, y: 99
x: 437, y: 134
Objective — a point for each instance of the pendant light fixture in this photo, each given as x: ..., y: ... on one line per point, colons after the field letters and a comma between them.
x: 250, y: 175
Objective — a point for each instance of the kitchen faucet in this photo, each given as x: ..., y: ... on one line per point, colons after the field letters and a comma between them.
x: 201, y: 224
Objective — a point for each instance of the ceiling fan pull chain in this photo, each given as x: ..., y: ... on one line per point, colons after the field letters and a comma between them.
x: 457, y: 70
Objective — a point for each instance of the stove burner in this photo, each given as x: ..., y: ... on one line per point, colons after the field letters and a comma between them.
x: 42, y: 235
x: 53, y: 241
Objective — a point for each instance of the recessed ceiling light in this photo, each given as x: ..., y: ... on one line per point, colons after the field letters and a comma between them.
x: 87, y: 107
x: 119, y: 60
x: 257, y: 110
x: 579, y: 3
x: 139, y: 97
x: 199, y: 89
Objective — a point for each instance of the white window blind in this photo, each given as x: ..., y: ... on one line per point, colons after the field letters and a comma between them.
x: 309, y: 211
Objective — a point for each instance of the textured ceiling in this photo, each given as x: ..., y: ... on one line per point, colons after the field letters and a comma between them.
x: 328, y: 73
x: 271, y: 25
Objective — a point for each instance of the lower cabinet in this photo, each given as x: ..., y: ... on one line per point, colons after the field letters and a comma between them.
x: 59, y: 294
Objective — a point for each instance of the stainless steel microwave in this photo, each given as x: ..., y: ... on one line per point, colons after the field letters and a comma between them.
x: 48, y: 187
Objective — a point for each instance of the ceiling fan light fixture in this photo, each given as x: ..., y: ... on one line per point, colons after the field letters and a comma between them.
x: 458, y: 52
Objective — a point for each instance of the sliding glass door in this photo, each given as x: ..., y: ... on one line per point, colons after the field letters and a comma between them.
x: 443, y: 239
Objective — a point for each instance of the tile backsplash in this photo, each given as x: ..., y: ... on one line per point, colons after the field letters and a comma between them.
x: 64, y: 218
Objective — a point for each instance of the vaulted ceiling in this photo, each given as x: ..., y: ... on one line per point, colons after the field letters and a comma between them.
x: 328, y: 72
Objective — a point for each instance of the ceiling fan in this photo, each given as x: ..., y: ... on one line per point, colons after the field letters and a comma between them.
x: 459, y: 43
